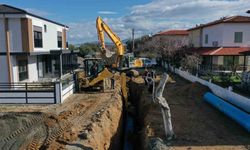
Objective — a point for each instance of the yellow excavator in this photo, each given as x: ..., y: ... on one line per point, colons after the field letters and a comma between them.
x: 112, y: 57
x: 102, y: 27
x: 95, y: 74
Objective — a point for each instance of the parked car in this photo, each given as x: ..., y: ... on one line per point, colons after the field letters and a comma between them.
x: 148, y: 62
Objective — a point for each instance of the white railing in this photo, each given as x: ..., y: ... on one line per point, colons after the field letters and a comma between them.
x: 68, y: 90
x: 230, y: 96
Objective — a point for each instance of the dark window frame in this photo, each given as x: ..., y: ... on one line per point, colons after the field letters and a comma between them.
x: 38, y: 39
x: 238, y: 37
x: 59, y: 41
x: 206, y: 38
x: 23, y: 69
x: 45, y: 28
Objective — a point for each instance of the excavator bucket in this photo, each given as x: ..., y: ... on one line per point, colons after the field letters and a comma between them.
x: 101, y: 76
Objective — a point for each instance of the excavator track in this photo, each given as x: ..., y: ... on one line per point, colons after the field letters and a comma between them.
x: 34, y: 121
x: 35, y: 144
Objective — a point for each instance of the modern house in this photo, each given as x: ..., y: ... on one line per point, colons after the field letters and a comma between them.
x: 32, y: 48
x: 36, y: 65
x: 222, y: 43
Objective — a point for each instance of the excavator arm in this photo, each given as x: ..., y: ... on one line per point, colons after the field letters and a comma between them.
x: 102, y: 27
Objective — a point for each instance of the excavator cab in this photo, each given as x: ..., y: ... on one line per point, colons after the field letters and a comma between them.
x: 92, y: 66
x: 95, y: 75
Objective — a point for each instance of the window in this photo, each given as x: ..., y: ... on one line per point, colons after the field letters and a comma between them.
x: 238, y: 37
x: 231, y: 60
x: 38, y: 36
x: 22, y: 70
x: 38, y: 39
x: 45, y: 28
x: 59, y: 39
x: 206, y: 39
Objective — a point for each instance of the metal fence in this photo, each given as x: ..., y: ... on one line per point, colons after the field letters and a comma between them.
x: 30, y: 93
x: 217, y: 69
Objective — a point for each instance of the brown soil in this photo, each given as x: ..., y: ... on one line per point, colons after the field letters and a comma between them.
x: 197, y: 125
x: 84, y: 121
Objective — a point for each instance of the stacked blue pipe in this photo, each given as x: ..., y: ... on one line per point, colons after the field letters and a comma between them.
x: 238, y: 115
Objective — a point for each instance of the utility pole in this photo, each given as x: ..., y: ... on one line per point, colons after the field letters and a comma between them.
x: 133, y: 40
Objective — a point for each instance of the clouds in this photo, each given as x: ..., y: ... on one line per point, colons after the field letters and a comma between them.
x: 107, y: 12
x: 161, y: 15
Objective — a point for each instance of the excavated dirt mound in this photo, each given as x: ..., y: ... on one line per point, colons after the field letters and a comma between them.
x: 197, y: 125
x: 84, y: 121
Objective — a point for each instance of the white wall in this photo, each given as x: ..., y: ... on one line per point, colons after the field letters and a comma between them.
x: 4, y: 69
x: 215, y: 33
x: 15, y: 35
x: 14, y: 69
x: 32, y: 68
x: 49, y: 37
x: 2, y: 36
x: 224, y: 34
x: 194, y: 36
x: 234, y: 98
x: 68, y: 91
x: 229, y: 30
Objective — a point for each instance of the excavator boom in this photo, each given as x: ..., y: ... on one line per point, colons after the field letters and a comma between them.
x: 102, y: 28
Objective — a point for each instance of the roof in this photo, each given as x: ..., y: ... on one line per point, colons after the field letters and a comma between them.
x: 246, y: 53
x: 221, y: 51
x: 233, y: 19
x: 173, y: 32
x: 7, y: 9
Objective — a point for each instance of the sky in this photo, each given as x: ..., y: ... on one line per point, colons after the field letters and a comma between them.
x: 145, y: 16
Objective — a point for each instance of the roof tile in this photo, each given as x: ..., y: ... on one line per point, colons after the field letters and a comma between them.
x: 233, y: 19
x: 221, y: 51
x: 173, y: 32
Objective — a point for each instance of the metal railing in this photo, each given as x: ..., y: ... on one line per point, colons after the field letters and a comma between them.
x: 28, y: 92
x: 221, y: 68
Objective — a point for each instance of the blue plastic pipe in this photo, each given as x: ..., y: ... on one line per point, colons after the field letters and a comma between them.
x: 240, y: 116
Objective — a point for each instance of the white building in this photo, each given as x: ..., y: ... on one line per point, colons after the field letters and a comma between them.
x: 223, y: 42
x: 32, y: 48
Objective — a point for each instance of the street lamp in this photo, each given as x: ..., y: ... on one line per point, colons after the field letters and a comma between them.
x: 248, y: 12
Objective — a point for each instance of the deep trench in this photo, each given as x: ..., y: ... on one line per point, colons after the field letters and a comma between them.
x: 131, y: 135
x: 132, y: 122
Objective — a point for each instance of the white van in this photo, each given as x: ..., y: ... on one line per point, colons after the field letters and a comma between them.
x: 148, y: 62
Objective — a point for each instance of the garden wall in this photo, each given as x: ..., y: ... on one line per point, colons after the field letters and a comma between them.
x: 230, y: 96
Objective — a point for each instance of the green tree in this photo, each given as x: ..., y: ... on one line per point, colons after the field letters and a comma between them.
x: 88, y: 48
x: 72, y: 47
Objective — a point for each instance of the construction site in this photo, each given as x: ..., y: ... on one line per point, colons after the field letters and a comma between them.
x: 112, y: 106
x: 101, y: 121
